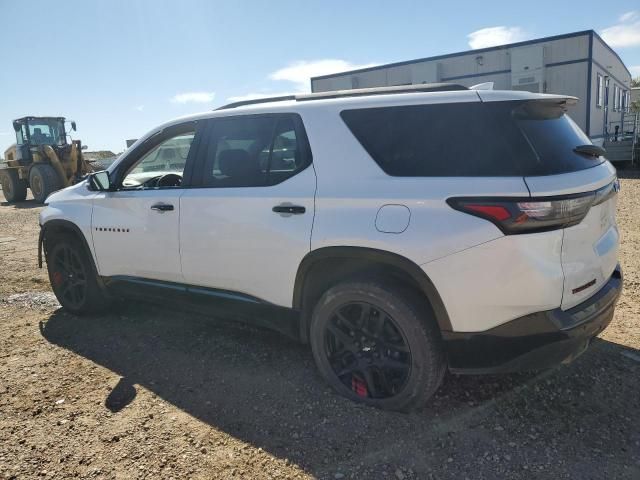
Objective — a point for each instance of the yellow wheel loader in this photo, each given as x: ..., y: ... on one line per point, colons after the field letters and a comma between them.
x: 42, y: 159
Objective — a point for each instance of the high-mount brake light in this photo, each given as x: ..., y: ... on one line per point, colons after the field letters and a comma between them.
x: 529, y: 215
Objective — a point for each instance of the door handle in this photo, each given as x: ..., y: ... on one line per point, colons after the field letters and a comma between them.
x: 162, y: 207
x: 290, y: 209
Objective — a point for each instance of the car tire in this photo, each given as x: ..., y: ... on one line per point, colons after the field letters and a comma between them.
x: 73, y: 276
x: 13, y: 188
x: 43, y: 181
x: 397, y: 366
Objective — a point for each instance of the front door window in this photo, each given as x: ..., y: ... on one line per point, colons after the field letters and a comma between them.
x: 161, y: 167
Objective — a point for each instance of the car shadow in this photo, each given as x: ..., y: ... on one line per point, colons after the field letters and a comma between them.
x: 25, y: 205
x: 263, y: 388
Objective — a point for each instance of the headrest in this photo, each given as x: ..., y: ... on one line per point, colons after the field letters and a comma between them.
x: 237, y: 163
x: 168, y: 154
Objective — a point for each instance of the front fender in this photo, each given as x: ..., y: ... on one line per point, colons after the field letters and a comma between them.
x: 69, y: 210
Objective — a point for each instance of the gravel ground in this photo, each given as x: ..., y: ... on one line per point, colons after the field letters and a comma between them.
x: 141, y: 392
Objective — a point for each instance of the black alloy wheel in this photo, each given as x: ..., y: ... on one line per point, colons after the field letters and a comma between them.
x: 377, y: 342
x: 367, y: 351
x: 69, y: 277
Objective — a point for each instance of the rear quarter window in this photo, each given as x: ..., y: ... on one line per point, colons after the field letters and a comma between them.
x: 469, y: 139
x: 553, y: 136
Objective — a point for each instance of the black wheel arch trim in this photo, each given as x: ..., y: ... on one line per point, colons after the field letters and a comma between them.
x: 375, y: 256
x: 69, y: 226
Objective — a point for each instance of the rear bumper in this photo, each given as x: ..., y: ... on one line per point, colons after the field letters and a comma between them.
x: 536, y: 341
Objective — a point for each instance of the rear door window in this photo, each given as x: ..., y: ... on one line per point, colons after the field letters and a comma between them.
x: 469, y: 139
x: 254, y: 150
x: 232, y: 154
x: 283, y: 157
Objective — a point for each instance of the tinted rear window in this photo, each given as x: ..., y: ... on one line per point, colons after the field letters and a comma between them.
x: 470, y: 139
x: 553, y: 136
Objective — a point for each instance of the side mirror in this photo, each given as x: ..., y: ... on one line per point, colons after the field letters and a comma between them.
x: 73, y: 125
x: 84, y: 147
x: 99, y: 181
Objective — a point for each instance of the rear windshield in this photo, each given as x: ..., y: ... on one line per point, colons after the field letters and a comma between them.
x: 471, y: 139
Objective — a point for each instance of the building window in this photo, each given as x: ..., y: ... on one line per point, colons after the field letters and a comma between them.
x: 599, y: 91
x: 618, y: 99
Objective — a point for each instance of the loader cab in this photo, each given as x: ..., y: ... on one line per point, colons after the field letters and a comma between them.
x: 34, y: 132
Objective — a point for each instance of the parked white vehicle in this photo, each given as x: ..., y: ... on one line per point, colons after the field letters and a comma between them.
x: 398, y: 231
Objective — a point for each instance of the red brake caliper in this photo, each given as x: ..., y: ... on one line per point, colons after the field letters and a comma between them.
x: 57, y: 278
x: 358, y: 386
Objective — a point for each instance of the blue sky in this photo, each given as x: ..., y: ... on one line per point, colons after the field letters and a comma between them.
x: 121, y: 67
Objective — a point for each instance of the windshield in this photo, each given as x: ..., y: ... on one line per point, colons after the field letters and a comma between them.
x: 46, y: 132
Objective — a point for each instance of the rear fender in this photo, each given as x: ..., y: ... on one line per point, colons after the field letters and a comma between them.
x: 372, y: 258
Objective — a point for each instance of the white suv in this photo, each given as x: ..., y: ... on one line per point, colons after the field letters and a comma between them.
x: 400, y: 232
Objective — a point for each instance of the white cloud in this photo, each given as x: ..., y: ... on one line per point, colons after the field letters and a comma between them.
x: 492, y: 36
x: 193, y: 97
x: 635, y: 71
x: 626, y: 33
x: 139, y: 108
x: 300, y: 73
x: 628, y: 17
x: 257, y: 95
x: 5, y: 133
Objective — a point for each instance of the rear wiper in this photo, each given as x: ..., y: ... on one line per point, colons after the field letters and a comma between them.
x: 592, y: 150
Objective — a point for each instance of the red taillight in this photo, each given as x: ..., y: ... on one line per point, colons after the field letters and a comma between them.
x: 495, y: 212
x: 527, y: 215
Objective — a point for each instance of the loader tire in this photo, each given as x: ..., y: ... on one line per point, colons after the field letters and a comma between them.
x: 43, y: 181
x: 13, y: 188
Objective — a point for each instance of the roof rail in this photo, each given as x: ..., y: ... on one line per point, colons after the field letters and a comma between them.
x: 242, y: 103
x: 356, y: 92
x: 361, y: 92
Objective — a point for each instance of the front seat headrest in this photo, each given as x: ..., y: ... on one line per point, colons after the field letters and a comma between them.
x: 237, y: 163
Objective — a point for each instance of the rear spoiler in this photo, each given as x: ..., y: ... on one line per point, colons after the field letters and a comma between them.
x: 482, y: 86
x: 488, y: 95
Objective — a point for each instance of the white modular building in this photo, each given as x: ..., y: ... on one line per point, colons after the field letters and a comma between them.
x: 580, y: 64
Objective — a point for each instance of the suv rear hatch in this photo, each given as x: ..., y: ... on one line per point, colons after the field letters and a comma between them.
x: 564, y: 170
